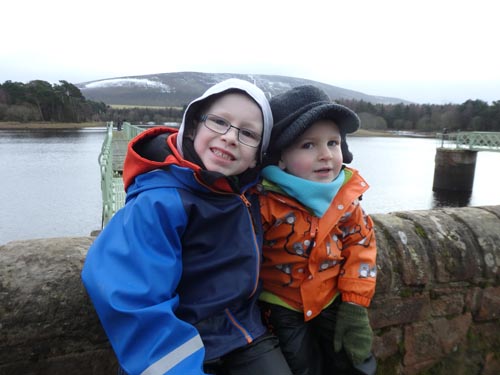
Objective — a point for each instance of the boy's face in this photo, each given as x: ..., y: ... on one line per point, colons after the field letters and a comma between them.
x: 316, y: 155
x: 223, y: 153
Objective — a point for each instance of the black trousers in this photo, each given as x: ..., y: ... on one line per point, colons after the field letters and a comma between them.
x: 262, y: 357
x: 308, y: 346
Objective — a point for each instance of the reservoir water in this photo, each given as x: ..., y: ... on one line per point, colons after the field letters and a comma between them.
x: 50, y: 180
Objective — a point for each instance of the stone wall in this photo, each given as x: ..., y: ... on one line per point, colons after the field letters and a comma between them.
x: 437, y: 305
x: 436, y: 309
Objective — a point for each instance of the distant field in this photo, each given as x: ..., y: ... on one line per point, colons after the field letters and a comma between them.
x: 371, y: 133
x: 390, y: 133
x: 128, y: 106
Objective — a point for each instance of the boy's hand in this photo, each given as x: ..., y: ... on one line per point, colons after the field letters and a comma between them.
x: 353, y: 332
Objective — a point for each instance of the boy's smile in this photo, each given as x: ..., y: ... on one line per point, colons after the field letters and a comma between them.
x: 224, y: 153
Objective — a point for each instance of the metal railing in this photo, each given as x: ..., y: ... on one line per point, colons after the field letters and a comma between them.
x: 472, y: 141
x: 111, y: 184
x: 132, y: 130
x: 112, y: 190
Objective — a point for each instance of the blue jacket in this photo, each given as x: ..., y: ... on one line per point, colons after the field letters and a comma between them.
x: 174, y: 274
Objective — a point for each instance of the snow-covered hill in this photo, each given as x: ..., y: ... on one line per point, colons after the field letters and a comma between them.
x: 178, y: 89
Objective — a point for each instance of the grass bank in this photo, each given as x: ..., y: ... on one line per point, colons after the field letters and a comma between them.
x: 74, y: 125
x: 391, y: 133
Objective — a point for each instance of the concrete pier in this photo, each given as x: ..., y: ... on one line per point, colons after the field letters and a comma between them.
x: 454, y: 170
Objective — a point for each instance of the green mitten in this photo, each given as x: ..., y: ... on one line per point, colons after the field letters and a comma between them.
x: 353, y: 332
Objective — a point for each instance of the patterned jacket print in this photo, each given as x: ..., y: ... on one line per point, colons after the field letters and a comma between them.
x: 308, y: 260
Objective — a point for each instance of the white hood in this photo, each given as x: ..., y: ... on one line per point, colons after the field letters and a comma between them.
x: 229, y: 84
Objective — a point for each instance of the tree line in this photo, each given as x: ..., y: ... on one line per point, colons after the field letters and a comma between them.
x: 472, y: 115
x: 41, y: 101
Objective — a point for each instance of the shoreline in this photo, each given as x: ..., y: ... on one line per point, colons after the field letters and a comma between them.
x: 10, y: 125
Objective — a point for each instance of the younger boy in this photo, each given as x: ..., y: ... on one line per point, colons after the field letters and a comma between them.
x: 319, y: 266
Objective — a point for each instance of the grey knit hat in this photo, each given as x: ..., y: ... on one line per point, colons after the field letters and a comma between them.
x: 228, y: 85
x: 297, y: 109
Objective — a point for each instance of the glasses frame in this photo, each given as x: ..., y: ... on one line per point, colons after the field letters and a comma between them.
x: 205, y: 117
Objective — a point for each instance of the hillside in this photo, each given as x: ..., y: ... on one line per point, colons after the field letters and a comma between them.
x: 178, y: 89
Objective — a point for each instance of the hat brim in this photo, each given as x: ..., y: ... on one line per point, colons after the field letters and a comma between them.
x: 297, y: 123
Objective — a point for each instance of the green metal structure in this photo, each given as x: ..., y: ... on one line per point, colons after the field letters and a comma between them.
x: 111, y: 162
x: 472, y: 141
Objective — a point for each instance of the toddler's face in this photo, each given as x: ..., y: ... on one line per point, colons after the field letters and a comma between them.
x: 316, y: 155
x: 223, y: 153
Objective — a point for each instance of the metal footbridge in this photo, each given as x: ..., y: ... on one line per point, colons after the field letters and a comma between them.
x: 456, y: 157
x: 111, y: 161
x: 471, y: 141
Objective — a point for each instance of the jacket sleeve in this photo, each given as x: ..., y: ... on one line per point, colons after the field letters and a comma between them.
x: 358, y: 275
x: 131, y: 274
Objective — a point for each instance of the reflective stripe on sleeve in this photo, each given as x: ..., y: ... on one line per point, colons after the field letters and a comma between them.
x: 174, y: 357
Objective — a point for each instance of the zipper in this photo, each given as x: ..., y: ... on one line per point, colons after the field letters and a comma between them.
x: 258, y: 254
x: 314, y: 228
x: 238, y: 326
x: 247, y: 203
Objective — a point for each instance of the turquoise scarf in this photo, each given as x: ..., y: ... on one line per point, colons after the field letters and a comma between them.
x: 317, y: 196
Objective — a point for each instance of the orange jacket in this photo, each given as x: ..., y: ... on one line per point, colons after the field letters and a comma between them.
x: 308, y: 260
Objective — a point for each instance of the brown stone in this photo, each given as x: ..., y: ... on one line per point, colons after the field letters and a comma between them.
x: 451, y: 248
x: 385, y: 274
x: 409, y: 258
x: 47, y: 320
x: 430, y: 341
x: 396, y: 311
x: 484, y: 225
x: 388, y: 343
x: 489, y: 307
x: 491, y: 364
x: 448, y: 304
x: 421, y: 344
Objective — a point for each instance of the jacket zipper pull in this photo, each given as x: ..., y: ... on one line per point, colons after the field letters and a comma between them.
x: 314, y: 228
x: 245, y: 200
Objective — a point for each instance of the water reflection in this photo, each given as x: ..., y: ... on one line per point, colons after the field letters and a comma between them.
x: 34, y: 135
x: 400, y: 173
x: 451, y: 199
x: 50, y: 183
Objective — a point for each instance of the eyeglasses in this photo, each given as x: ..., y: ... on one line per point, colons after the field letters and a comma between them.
x: 221, y: 126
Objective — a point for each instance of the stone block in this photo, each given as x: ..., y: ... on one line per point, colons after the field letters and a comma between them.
x: 388, y: 343
x: 489, y: 305
x: 396, y: 311
x: 410, y: 262
x: 484, y: 226
x: 449, y: 244
x: 447, y: 302
x: 427, y: 342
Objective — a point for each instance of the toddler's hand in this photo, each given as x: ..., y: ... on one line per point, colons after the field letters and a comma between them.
x: 353, y: 332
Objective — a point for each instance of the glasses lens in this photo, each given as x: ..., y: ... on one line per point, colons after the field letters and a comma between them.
x: 217, y: 124
x: 249, y: 137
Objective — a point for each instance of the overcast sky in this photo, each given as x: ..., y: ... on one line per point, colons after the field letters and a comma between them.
x: 426, y: 51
